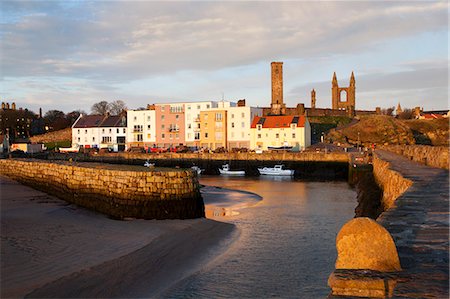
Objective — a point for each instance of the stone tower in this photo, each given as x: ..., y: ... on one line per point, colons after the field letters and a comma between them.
x: 399, y: 110
x: 339, y: 103
x: 313, y: 99
x: 277, y: 107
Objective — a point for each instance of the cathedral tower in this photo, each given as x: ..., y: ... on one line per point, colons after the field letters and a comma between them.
x: 277, y: 107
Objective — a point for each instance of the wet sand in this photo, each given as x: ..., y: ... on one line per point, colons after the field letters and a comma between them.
x: 53, y: 249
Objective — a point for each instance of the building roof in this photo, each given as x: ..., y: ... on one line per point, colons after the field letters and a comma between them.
x: 94, y: 121
x: 275, y: 121
x: 431, y: 116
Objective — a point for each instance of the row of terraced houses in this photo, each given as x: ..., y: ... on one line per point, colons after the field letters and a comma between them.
x: 208, y: 124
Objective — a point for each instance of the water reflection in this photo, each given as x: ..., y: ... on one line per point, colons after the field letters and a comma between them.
x: 286, y: 246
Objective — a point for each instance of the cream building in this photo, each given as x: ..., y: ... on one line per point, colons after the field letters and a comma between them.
x: 141, y: 127
x: 278, y: 131
x: 192, y: 120
x: 238, y: 125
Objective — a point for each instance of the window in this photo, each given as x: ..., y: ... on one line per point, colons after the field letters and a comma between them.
x: 206, y: 116
x: 117, y: 131
x: 177, y: 136
x: 110, y: 131
x: 232, y: 134
x: 198, y: 107
x: 78, y: 131
x: 277, y: 135
x: 218, y: 135
x: 148, y: 118
x: 189, y: 107
x: 189, y: 135
x: 79, y: 139
x: 259, y: 127
x: 149, y: 136
x: 176, y: 109
x: 293, y: 135
x: 85, y: 139
x: 206, y: 135
x: 162, y: 116
x: 162, y: 108
x: 189, y: 126
x: 207, y: 106
x: 163, y: 135
x: 259, y: 135
x: 140, y: 137
x: 135, y: 118
x: 232, y: 125
x: 163, y: 126
x: 242, y: 134
x: 197, y: 136
x: 124, y: 130
x: 219, y: 116
x: 106, y: 139
x: 176, y: 116
x: 148, y: 127
x: 293, y: 126
x: 198, y: 125
x: 137, y: 128
x: 243, y: 124
x: 85, y: 131
x: 232, y: 115
x: 243, y: 114
x: 218, y: 125
x: 93, y: 139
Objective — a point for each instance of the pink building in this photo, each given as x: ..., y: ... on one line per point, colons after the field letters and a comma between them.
x: 170, y: 125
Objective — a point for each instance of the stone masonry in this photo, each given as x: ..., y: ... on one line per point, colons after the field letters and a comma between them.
x: 115, y: 190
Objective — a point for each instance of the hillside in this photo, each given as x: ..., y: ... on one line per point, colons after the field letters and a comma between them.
x: 56, y: 136
x: 382, y: 129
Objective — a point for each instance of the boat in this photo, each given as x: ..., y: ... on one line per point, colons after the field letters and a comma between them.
x: 148, y: 164
x: 276, y: 170
x: 197, y: 169
x: 226, y: 170
x: 280, y: 148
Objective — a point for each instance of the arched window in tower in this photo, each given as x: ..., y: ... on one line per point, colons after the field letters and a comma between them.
x: 343, y: 96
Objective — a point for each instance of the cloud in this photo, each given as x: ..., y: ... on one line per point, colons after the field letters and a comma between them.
x: 108, y: 48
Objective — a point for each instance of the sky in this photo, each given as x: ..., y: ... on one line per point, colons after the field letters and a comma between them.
x: 68, y: 55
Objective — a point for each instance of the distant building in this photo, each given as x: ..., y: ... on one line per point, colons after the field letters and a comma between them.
x: 213, y: 133
x: 100, y: 131
x: 19, y: 124
x: 277, y: 131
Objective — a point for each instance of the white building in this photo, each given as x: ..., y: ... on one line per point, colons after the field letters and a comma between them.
x: 100, y: 131
x: 192, y: 120
x: 141, y: 125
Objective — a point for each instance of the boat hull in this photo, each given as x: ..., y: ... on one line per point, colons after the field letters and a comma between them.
x: 284, y: 172
x: 232, y: 172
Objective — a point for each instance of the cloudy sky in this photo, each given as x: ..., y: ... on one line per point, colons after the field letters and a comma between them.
x: 68, y: 55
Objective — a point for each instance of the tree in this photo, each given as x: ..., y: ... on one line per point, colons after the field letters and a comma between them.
x: 406, y: 114
x: 100, y: 108
x: 73, y: 116
x: 116, y: 107
x: 56, y: 120
x: 388, y: 111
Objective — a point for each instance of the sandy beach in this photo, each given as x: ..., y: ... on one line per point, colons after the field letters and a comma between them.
x: 53, y: 249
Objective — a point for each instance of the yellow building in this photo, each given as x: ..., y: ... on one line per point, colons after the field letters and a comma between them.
x: 280, y: 131
x: 213, y: 128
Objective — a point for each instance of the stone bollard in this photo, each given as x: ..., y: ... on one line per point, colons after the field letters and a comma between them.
x: 367, y: 258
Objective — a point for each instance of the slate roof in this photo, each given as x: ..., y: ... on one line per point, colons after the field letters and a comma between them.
x: 277, y: 121
x: 93, y: 121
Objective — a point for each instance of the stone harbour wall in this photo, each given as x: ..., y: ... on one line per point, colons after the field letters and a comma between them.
x: 391, y: 182
x: 435, y: 156
x: 119, y: 191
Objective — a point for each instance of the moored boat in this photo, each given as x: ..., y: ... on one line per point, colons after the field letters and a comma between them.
x: 276, y: 170
x: 197, y: 169
x: 148, y: 164
x: 227, y: 171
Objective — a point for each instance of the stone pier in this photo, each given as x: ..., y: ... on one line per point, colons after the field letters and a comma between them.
x: 418, y: 221
x: 119, y: 191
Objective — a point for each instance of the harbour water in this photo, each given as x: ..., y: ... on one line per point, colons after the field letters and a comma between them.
x: 286, y: 242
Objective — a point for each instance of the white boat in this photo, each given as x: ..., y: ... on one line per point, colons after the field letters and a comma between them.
x: 226, y: 170
x: 276, y: 170
x: 148, y: 164
x: 196, y: 168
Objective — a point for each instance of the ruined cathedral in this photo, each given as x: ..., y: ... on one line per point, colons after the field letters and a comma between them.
x: 343, y: 99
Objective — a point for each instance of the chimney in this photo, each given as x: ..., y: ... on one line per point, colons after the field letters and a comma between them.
x: 241, y: 103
